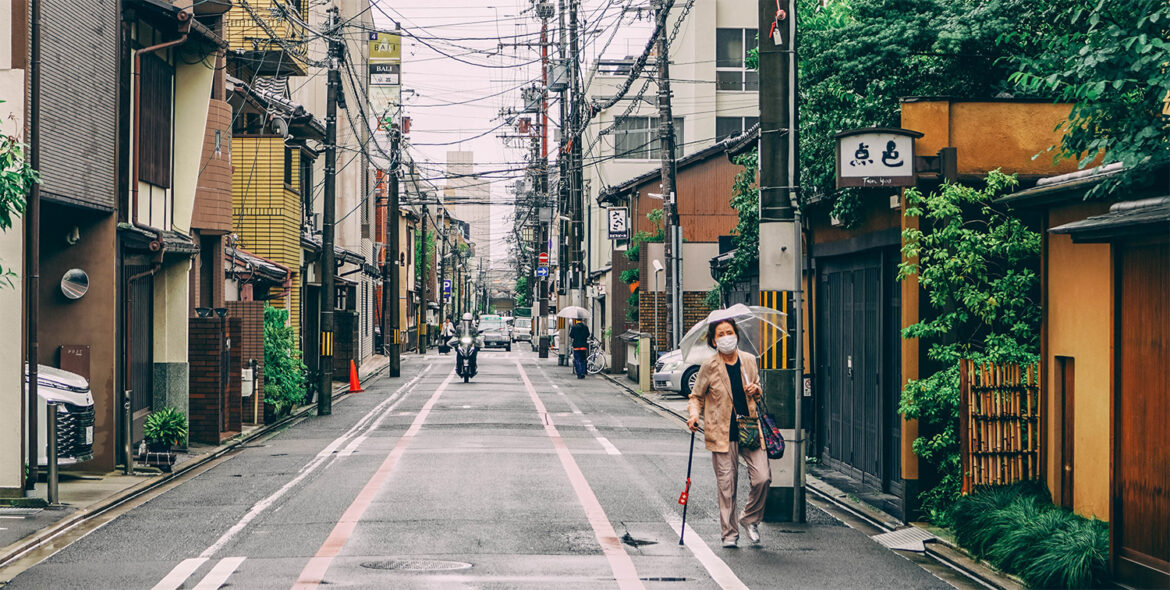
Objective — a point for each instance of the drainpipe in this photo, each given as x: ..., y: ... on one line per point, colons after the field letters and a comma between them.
x: 32, y: 228
x: 184, y: 19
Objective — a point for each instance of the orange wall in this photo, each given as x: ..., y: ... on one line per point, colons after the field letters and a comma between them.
x: 990, y: 135
x: 1079, y: 321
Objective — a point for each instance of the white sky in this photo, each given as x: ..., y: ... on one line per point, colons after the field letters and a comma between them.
x: 472, y: 33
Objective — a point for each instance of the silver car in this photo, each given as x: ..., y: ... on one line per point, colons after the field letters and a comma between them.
x: 75, y: 415
x: 672, y: 374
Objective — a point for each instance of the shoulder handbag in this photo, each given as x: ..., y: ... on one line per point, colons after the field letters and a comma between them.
x: 749, y: 428
x: 773, y: 440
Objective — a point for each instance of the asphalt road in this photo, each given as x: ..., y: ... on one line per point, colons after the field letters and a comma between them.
x: 524, y: 478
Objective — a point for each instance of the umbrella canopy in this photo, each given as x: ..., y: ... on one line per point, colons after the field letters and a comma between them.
x: 760, y: 328
x: 574, y: 312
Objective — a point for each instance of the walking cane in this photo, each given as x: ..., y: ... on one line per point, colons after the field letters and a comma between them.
x: 682, y: 498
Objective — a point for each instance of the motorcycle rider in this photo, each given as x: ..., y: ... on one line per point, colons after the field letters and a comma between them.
x: 467, y: 329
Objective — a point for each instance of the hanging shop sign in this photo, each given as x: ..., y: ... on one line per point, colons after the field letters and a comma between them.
x: 875, y: 157
x: 619, y: 223
x: 385, y: 73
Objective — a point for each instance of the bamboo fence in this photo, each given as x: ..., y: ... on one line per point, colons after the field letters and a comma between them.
x: 999, y: 423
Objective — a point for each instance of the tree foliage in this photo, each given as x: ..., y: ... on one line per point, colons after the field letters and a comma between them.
x: 523, y: 292
x: 284, y: 371
x: 858, y: 60
x: 1109, y: 59
x: 16, y: 178
x: 977, y: 268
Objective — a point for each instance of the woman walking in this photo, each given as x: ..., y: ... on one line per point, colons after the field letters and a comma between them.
x: 728, y: 388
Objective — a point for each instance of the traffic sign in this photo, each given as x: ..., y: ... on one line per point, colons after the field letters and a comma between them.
x: 542, y: 271
x: 542, y: 260
x: 447, y: 286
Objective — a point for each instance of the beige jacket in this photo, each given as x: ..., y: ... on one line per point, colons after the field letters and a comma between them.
x: 711, y: 399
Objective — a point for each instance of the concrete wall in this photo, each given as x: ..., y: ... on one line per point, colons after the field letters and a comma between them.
x: 11, y: 295
x: 1079, y: 321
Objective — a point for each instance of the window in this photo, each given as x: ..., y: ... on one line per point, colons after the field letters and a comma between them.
x: 306, y: 175
x: 731, y: 49
x: 288, y: 167
x: 730, y: 126
x: 636, y: 138
x: 154, y: 128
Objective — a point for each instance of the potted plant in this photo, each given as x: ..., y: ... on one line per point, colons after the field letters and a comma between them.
x: 165, y: 429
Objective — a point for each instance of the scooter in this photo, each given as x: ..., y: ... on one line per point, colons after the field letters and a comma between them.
x: 465, y: 352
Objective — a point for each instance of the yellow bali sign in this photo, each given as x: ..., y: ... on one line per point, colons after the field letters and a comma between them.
x: 385, y: 46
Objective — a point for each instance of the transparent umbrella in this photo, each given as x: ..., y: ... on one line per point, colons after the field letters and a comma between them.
x: 573, y: 312
x: 761, y: 329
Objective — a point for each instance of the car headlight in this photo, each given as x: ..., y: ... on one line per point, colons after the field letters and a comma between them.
x: 672, y: 366
x: 465, y: 340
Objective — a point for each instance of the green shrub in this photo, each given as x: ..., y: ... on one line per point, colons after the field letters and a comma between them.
x: 168, y: 426
x: 1017, y: 529
x: 284, y: 371
x: 630, y: 275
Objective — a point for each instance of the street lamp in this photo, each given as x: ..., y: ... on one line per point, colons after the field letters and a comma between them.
x: 657, y: 269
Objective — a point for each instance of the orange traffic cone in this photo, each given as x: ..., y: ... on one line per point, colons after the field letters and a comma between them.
x: 355, y: 386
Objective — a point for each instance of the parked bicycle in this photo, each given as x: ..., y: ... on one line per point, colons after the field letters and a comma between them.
x: 595, y: 361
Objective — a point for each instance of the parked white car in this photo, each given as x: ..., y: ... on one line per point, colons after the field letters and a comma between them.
x: 672, y: 374
x: 75, y: 415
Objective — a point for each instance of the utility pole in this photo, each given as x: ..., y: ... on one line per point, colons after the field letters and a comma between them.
x: 441, y: 261
x: 672, y: 242
x: 424, y: 278
x: 391, y: 300
x: 328, y: 266
x: 576, y: 174
x: 544, y: 10
x: 781, y: 259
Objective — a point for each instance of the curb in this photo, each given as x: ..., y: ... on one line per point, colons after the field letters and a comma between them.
x: 22, y: 547
x: 939, y: 549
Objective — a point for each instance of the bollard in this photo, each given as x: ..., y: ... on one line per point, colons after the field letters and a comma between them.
x: 128, y: 432
x: 52, y: 454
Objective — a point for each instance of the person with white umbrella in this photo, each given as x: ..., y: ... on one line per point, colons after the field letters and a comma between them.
x: 725, y: 397
x: 578, y: 336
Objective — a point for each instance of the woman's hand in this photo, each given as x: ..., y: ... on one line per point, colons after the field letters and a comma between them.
x: 753, y: 389
x: 693, y: 424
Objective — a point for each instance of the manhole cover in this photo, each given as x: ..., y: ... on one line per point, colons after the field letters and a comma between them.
x: 415, y: 565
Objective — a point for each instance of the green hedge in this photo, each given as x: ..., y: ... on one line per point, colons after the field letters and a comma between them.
x: 1017, y: 529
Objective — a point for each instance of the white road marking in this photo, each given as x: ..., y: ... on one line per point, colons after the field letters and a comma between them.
x: 180, y: 574
x: 605, y: 444
x: 619, y: 561
x: 310, y: 467
x: 220, y: 573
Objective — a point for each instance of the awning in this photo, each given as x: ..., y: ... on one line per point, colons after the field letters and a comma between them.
x: 1126, y: 219
x: 246, y: 266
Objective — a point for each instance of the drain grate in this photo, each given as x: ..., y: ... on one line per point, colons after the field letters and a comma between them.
x: 19, y: 512
x: 907, y: 539
x: 416, y: 565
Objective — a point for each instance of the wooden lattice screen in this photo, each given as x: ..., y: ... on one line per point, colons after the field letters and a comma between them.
x: 999, y: 423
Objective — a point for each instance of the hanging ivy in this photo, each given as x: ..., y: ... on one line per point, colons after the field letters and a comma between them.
x: 16, y: 178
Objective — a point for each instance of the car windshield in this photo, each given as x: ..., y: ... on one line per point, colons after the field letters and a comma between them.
x: 523, y: 322
x: 491, y: 324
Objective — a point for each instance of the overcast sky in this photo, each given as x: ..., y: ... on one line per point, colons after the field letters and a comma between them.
x: 456, y: 79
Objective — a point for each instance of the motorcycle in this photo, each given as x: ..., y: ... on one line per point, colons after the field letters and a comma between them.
x: 465, y: 352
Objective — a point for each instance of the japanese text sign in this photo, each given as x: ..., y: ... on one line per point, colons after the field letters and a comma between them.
x: 876, y: 157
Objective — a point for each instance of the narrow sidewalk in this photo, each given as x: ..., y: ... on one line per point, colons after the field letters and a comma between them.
x: 24, y: 523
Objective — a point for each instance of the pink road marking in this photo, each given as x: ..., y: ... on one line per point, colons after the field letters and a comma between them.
x: 314, y: 572
x: 619, y: 560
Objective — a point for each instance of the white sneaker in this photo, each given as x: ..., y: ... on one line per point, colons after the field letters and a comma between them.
x: 730, y: 544
x: 753, y: 532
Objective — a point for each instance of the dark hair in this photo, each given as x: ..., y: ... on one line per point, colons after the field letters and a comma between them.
x: 711, y: 330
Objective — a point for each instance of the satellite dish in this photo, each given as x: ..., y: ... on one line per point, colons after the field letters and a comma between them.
x: 280, y: 126
x: 74, y: 283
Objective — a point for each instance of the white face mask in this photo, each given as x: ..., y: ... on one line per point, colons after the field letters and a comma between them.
x: 726, y: 344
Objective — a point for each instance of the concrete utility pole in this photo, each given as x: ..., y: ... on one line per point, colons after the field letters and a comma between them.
x: 441, y: 262
x: 328, y: 266
x: 781, y: 260
x: 424, y: 278
x: 544, y: 10
x: 576, y: 173
x: 672, y: 243
x: 391, y: 300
